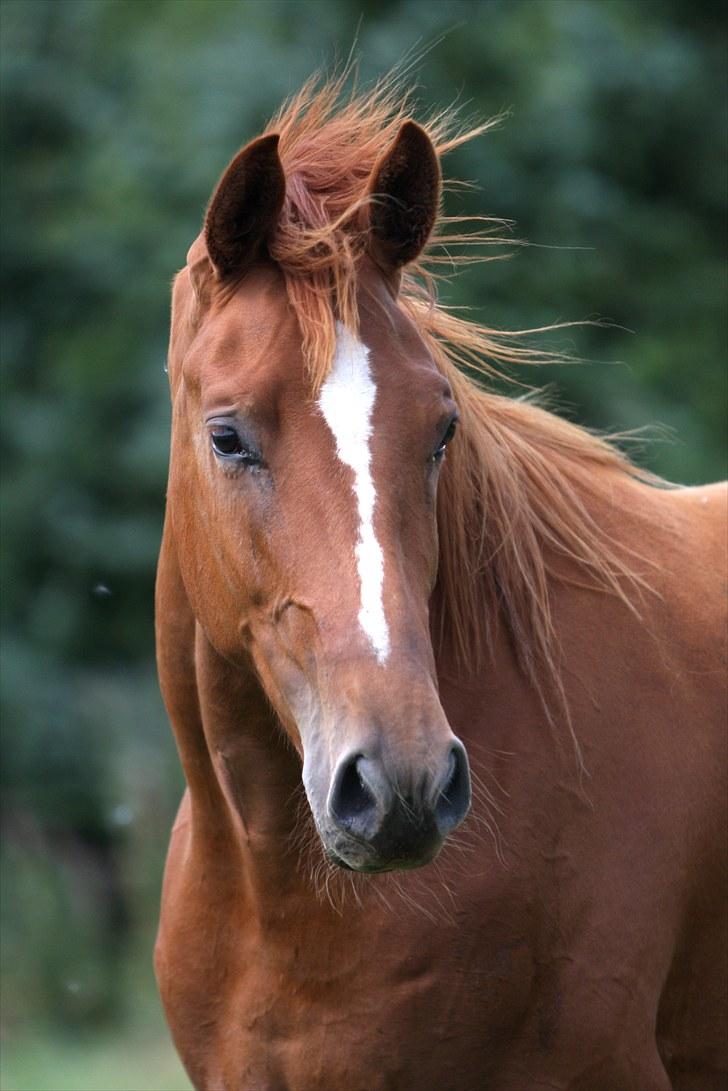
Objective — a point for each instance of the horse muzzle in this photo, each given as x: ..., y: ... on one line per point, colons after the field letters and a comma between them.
x: 379, y: 819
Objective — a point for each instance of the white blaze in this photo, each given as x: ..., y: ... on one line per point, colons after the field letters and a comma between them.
x: 347, y: 401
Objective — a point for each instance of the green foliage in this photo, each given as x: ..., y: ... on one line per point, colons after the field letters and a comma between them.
x: 118, y: 117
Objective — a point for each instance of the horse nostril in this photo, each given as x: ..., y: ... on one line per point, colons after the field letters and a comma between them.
x: 352, y: 803
x: 454, y: 800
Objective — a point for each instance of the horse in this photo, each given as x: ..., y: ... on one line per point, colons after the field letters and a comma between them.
x: 400, y: 612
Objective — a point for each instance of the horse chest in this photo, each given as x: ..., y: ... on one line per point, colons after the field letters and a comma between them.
x: 406, y: 1005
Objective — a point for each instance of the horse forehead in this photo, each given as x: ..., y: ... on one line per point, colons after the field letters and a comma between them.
x: 252, y: 344
x: 251, y: 348
x: 409, y: 388
x: 258, y: 326
x: 400, y: 359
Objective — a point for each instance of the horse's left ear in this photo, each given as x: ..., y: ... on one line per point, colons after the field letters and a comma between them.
x: 405, y: 188
x: 245, y: 207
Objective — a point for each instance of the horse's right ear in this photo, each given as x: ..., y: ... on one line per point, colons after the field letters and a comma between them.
x: 245, y: 207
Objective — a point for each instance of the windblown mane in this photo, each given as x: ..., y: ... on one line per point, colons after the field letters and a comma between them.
x: 511, y: 499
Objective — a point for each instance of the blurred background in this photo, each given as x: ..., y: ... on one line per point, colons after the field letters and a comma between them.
x: 118, y: 117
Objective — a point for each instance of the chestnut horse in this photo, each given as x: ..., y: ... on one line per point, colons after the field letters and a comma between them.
x: 377, y: 582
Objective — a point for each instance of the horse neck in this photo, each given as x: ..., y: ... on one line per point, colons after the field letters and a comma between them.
x: 256, y: 766
x: 257, y: 771
x: 243, y: 777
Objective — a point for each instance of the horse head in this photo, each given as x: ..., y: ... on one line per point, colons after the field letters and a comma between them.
x: 305, y: 511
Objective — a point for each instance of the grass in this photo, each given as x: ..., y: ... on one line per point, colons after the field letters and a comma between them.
x: 133, y: 1059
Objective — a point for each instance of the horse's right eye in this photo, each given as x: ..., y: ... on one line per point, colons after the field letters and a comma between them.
x: 226, y: 442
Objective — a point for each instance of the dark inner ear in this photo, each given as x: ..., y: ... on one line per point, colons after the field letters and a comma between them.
x: 406, y: 186
x: 245, y: 207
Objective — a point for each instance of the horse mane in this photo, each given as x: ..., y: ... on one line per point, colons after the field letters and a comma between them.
x: 511, y: 502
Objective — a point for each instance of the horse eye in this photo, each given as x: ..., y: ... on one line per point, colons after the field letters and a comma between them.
x: 230, y: 448
x: 225, y: 441
x: 445, y: 440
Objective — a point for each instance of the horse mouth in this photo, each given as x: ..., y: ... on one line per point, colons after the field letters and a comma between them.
x: 375, y: 866
x: 360, y: 869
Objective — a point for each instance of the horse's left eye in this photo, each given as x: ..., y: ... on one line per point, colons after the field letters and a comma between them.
x: 445, y: 440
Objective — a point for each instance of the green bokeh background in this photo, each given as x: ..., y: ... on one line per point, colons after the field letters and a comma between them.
x: 118, y: 116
